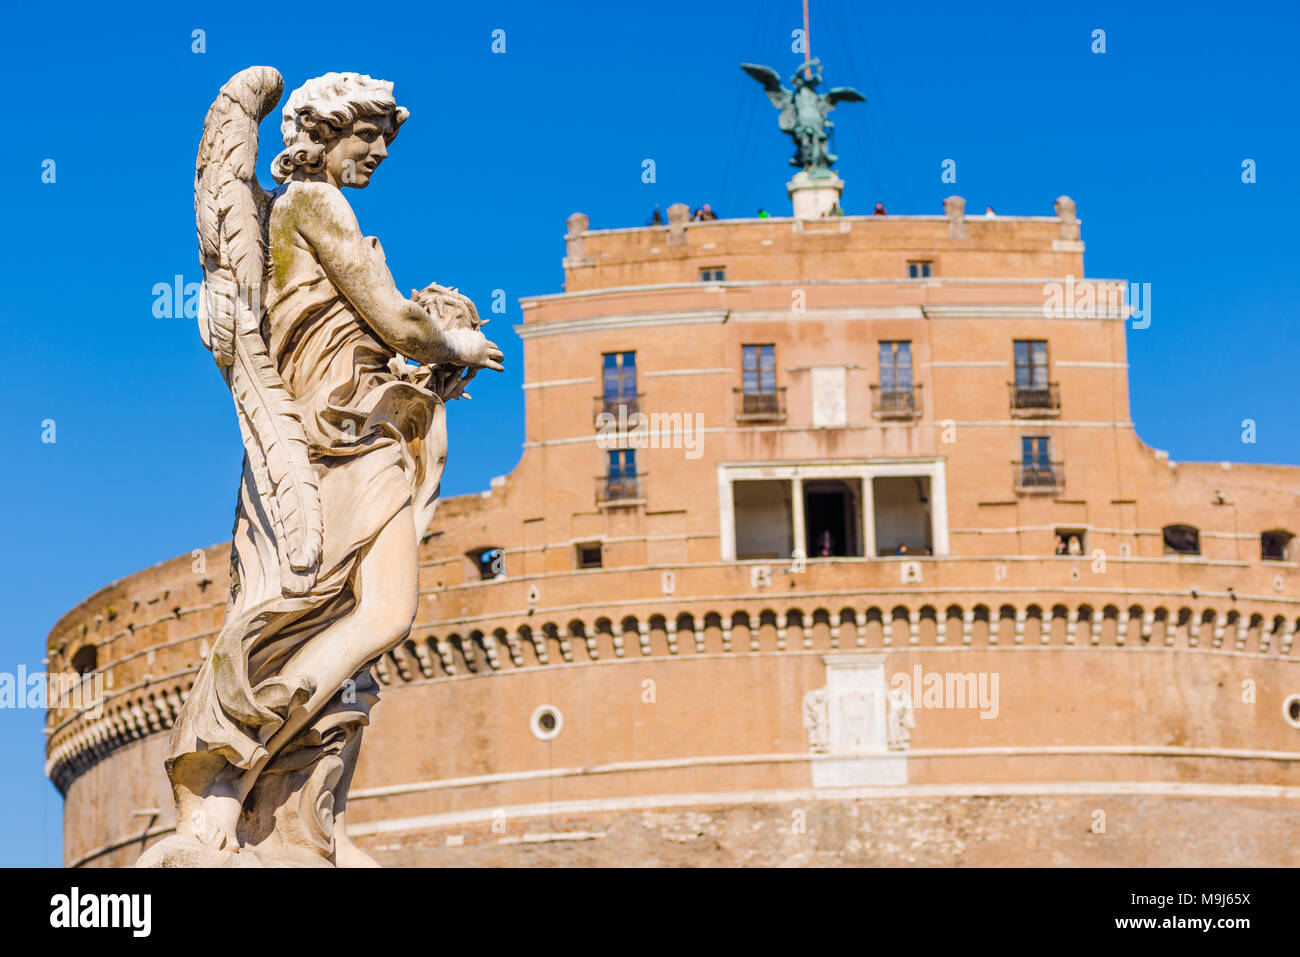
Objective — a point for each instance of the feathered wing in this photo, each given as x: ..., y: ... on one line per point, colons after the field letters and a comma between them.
x: 781, y: 98
x: 763, y: 74
x: 230, y: 210
x: 844, y: 94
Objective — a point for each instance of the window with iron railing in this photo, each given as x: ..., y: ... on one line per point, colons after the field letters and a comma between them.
x: 1035, y: 469
x: 621, y: 481
x: 759, y: 396
x: 1032, y: 392
x: 896, y: 394
x: 895, y: 403
x: 618, y: 397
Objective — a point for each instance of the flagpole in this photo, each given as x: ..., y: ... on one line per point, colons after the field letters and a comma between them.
x: 807, y: 43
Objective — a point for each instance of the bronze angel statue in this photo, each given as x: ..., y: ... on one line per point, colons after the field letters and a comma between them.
x: 339, y: 384
x: 805, y: 112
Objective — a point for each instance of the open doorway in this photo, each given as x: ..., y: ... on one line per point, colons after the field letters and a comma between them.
x: 902, y: 505
x: 831, y: 518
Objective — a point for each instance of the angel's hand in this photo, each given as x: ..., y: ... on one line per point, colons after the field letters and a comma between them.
x: 474, y: 350
x: 449, y: 307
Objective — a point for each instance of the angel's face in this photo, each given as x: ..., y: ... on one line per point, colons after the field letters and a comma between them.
x: 352, y: 158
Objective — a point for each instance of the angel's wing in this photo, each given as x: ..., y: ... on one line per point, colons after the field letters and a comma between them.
x: 781, y: 98
x: 231, y: 210
x: 844, y: 94
x: 229, y: 205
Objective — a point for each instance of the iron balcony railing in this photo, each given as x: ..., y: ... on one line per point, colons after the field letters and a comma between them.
x: 611, y: 405
x: 622, y: 489
x: 896, y: 403
x: 1035, y: 400
x: 760, y: 406
x: 1039, y: 475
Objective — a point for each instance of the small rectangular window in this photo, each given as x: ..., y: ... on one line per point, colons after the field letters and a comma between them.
x: 1275, y: 546
x: 921, y: 269
x: 713, y: 274
x: 1071, y: 541
x: 590, y: 556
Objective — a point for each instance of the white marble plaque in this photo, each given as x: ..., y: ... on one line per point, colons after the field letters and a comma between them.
x: 828, y: 395
x: 856, y: 704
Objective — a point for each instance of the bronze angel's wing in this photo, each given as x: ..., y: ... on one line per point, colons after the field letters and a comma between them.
x: 781, y: 98
x: 844, y: 94
x: 231, y: 210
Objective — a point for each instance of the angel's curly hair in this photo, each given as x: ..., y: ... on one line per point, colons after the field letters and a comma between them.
x: 320, y: 110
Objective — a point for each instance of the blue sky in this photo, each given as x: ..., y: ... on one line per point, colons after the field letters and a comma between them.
x: 1148, y: 137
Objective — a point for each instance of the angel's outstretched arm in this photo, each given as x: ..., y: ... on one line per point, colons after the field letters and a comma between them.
x: 356, y: 266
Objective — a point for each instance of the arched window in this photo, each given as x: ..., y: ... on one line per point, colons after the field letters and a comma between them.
x: 85, y: 660
x: 490, y: 561
x: 1182, y: 540
x: 1275, y: 546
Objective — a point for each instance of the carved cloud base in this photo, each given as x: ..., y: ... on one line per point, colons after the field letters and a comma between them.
x: 288, y: 821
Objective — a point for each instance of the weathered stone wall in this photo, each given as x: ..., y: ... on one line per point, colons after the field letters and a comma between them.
x: 981, y: 830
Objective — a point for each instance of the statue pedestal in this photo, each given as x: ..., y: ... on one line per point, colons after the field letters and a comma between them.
x: 814, y: 197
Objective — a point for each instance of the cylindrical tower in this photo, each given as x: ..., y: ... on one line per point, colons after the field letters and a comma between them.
x: 832, y: 541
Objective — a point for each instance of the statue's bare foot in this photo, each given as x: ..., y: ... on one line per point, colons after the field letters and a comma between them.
x: 215, y: 820
x: 347, y: 854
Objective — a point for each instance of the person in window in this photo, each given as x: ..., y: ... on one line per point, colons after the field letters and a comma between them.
x: 825, y: 544
x: 901, y: 550
x: 1076, y: 546
x: 1060, y: 546
x: 879, y: 210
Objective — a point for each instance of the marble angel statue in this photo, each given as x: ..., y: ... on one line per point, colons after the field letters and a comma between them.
x: 339, y: 383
